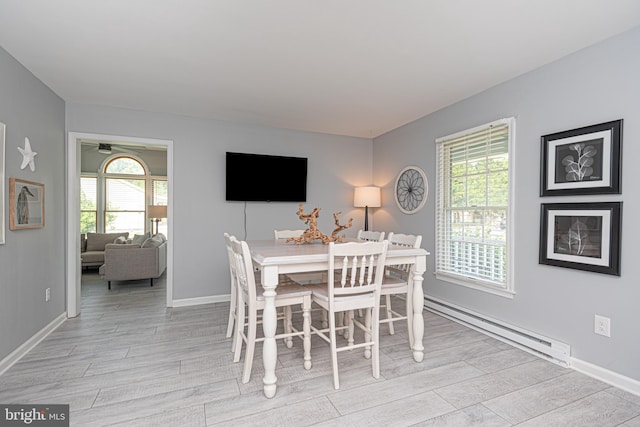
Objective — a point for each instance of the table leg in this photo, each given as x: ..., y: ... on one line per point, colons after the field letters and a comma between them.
x: 418, y: 304
x: 269, y: 324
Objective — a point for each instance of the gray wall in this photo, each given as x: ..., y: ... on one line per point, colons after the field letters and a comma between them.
x: 31, y: 260
x: 595, y: 85
x: 201, y: 214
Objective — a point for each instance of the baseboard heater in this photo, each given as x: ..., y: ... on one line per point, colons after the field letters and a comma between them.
x: 538, y: 345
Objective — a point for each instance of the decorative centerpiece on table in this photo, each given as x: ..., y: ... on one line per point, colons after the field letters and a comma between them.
x: 312, y: 233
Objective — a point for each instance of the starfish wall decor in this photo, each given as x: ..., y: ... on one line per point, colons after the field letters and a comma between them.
x: 28, y: 156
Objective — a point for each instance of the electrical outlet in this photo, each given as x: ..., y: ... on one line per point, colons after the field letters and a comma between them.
x: 47, y: 294
x: 602, y: 326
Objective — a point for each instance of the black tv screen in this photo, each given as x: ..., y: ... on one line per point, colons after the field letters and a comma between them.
x: 260, y: 177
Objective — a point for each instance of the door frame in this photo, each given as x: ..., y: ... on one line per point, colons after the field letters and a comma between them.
x: 74, y: 267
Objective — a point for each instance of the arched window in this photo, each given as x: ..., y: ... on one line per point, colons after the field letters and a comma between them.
x: 125, y: 195
x: 125, y: 165
x: 116, y: 198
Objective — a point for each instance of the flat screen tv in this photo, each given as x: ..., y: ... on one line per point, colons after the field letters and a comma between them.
x: 265, y: 178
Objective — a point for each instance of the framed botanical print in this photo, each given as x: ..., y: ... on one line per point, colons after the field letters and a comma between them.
x: 582, y: 161
x: 26, y: 204
x: 583, y: 236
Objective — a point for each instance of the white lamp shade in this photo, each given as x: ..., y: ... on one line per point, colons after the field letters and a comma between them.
x: 366, y: 196
x: 156, y: 211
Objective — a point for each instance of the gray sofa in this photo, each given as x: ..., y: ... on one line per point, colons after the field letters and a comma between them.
x: 134, y: 261
x: 92, y: 247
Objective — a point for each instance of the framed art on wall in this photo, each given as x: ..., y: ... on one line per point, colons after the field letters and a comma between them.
x: 2, y: 131
x: 26, y: 204
x: 411, y: 189
x: 582, y: 236
x: 582, y: 161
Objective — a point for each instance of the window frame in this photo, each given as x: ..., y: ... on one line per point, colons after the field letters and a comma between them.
x: 508, y: 289
x: 102, y: 177
x: 93, y: 176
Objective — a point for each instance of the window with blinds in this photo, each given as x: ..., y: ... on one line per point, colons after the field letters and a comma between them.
x: 88, y: 204
x: 473, y: 213
x: 125, y: 196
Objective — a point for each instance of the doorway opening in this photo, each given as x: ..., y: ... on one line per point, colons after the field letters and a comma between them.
x: 87, y: 152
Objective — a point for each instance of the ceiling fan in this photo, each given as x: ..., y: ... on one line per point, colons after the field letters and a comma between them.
x: 107, y: 148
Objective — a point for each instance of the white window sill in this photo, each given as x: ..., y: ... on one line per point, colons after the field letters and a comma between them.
x: 477, y: 285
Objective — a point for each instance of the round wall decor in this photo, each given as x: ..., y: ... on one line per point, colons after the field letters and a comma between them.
x: 411, y: 189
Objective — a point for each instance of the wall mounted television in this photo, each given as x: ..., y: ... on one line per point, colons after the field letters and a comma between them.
x: 266, y: 178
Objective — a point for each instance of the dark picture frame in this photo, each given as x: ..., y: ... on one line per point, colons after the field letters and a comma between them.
x: 582, y: 236
x: 26, y: 204
x: 582, y: 161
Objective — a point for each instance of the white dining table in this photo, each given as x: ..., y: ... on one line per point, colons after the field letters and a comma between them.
x: 275, y: 257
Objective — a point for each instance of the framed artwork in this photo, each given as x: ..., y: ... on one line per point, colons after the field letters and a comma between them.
x: 583, y: 236
x: 26, y: 204
x: 2, y: 132
x: 411, y: 189
x: 582, y: 161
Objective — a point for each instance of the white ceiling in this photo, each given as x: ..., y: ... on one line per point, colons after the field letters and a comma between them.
x: 347, y: 67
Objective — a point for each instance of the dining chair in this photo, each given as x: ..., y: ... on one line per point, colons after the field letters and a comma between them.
x: 287, y: 234
x: 371, y: 236
x: 396, y: 282
x: 233, y: 300
x: 250, y: 294
x: 355, y: 274
x: 285, y: 315
x: 300, y: 278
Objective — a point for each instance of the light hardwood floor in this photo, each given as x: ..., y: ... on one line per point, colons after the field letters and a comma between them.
x: 129, y: 361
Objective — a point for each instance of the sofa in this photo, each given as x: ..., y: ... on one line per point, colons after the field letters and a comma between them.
x: 92, y: 246
x: 133, y: 261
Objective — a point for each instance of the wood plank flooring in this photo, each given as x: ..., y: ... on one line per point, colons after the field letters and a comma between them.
x: 129, y: 361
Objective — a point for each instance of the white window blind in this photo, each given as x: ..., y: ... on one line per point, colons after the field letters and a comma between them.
x: 473, y: 206
x: 88, y: 204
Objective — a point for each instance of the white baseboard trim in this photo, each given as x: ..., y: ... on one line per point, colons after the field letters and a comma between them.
x: 186, y: 302
x: 607, y: 376
x: 25, y: 348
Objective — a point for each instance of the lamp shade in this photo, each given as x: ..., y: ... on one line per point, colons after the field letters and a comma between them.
x: 366, y: 196
x: 156, y: 211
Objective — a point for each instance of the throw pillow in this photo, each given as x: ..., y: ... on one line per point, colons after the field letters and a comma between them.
x: 160, y: 236
x: 121, y: 240
x: 97, y: 241
x: 152, y: 242
x: 138, y: 239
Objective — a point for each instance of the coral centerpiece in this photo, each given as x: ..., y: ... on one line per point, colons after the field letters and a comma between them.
x: 312, y: 233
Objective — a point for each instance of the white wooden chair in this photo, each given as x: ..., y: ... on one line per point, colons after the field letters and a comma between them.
x: 396, y: 282
x: 233, y: 306
x: 371, y: 236
x: 250, y: 295
x: 300, y: 278
x: 355, y: 275
x: 287, y: 234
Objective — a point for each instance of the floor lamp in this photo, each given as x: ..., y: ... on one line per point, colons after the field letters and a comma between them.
x: 366, y: 197
x: 156, y: 213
